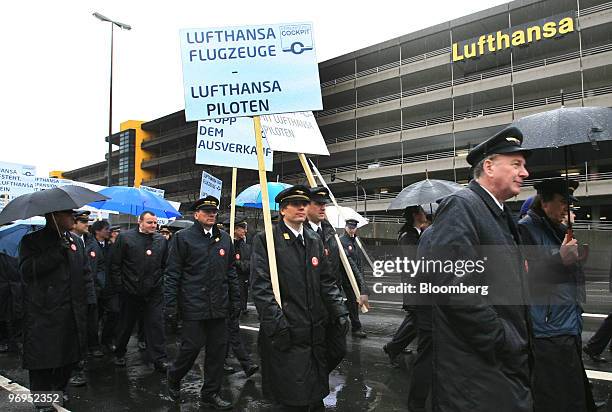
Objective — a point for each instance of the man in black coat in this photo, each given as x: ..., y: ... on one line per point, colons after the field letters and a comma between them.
x: 556, y: 281
x: 482, y: 339
x: 292, y: 337
x: 349, y: 241
x: 11, y: 303
x: 202, y: 277
x: 138, y: 262
x: 317, y: 222
x: 56, y: 277
x: 408, y: 238
x: 243, y: 260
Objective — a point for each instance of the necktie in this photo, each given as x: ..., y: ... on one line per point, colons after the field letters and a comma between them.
x: 320, y: 232
x: 300, y: 239
x: 206, y: 235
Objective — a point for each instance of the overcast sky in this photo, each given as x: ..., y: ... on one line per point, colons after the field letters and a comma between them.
x: 55, y: 60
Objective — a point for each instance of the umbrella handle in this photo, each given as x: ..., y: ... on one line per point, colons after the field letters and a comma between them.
x: 56, y: 227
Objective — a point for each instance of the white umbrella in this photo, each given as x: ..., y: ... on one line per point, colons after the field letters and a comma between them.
x: 336, y: 219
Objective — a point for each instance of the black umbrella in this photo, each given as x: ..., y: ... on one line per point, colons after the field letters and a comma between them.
x: 584, y: 128
x: 425, y: 191
x: 181, y: 224
x: 47, y: 201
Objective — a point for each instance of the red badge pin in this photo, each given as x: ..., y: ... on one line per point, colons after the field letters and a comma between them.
x: 73, y: 247
x: 221, y: 252
x: 315, y: 261
x: 148, y: 252
x: 237, y: 256
x: 92, y: 254
x: 326, y: 252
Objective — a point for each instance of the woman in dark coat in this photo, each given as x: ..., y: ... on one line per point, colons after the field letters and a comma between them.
x: 56, y: 276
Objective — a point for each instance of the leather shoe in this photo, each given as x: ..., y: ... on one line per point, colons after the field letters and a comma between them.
x: 96, y: 353
x: 251, y: 370
x: 228, y: 369
x: 119, y: 361
x: 595, y: 357
x: 216, y: 402
x: 142, y: 345
x: 174, y: 389
x: 392, y: 358
x: 4, y: 347
x: 600, y: 404
x: 359, y: 334
x: 161, y: 365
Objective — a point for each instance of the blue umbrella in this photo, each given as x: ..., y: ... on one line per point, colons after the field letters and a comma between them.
x: 251, y: 196
x: 10, y: 236
x: 134, y: 201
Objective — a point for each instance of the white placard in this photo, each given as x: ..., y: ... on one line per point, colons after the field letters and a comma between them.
x: 249, y: 71
x: 231, y: 143
x: 210, y: 185
x: 157, y: 192
x: 294, y: 132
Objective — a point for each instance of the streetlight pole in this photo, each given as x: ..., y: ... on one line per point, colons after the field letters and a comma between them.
x: 110, y: 94
x: 358, y: 185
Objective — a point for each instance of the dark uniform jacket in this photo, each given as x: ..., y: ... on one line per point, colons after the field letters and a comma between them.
x: 408, y: 239
x: 292, y: 339
x: 243, y: 260
x: 99, y: 265
x: 354, y: 254
x: 55, y: 300
x: 482, y: 343
x: 138, y: 262
x: 11, y: 291
x: 556, y: 290
x: 201, y: 272
x: 336, y: 268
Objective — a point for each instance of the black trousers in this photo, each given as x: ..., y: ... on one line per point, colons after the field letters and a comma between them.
x: 601, y: 338
x: 195, y: 334
x: 235, y: 343
x: 244, y: 292
x: 560, y: 383
x: 93, y: 340
x: 108, y: 316
x: 405, y: 334
x: 353, y: 309
x: 50, y: 380
x: 422, y: 370
x: 150, y: 308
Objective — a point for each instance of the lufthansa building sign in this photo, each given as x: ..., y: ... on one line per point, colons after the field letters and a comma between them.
x: 523, y: 35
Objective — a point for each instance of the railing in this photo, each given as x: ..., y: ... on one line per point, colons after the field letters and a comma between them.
x: 592, y: 225
x: 478, y: 77
x: 428, y: 55
x: 473, y: 114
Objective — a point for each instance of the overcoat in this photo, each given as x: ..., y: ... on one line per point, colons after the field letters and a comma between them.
x: 482, y: 344
x: 292, y: 339
x: 56, y: 280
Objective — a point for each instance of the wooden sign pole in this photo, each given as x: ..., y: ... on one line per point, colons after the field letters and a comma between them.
x: 233, y: 202
x: 343, y: 257
x: 263, y: 182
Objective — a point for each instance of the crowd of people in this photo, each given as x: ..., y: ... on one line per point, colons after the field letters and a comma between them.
x: 80, y: 289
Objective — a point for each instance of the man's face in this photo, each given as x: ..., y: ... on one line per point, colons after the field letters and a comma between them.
x: 64, y: 220
x: 316, y: 212
x: 104, y: 233
x: 507, y: 172
x: 148, y: 224
x: 294, y: 211
x: 206, y: 217
x: 80, y: 226
x: 556, y: 209
x: 239, y: 232
x: 352, y: 231
x: 420, y: 218
x: 113, y: 235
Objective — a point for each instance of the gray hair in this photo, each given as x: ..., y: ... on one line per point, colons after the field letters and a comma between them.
x: 479, y: 168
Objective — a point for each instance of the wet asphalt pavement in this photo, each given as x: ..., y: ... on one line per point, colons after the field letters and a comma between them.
x: 364, y: 381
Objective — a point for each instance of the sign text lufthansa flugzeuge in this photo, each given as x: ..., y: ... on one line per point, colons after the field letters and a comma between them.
x: 517, y: 36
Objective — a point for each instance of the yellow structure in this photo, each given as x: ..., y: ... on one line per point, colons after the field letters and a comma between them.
x: 57, y: 174
x: 140, y: 155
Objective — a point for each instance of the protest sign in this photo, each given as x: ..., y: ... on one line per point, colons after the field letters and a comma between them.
x: 210, y: 185
x: 294, y: 132
x: 249, y: 71
x: 154, y: 190
x: 229, y: 142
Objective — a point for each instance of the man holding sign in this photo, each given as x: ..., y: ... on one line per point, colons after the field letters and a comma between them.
x: 292, y: 338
